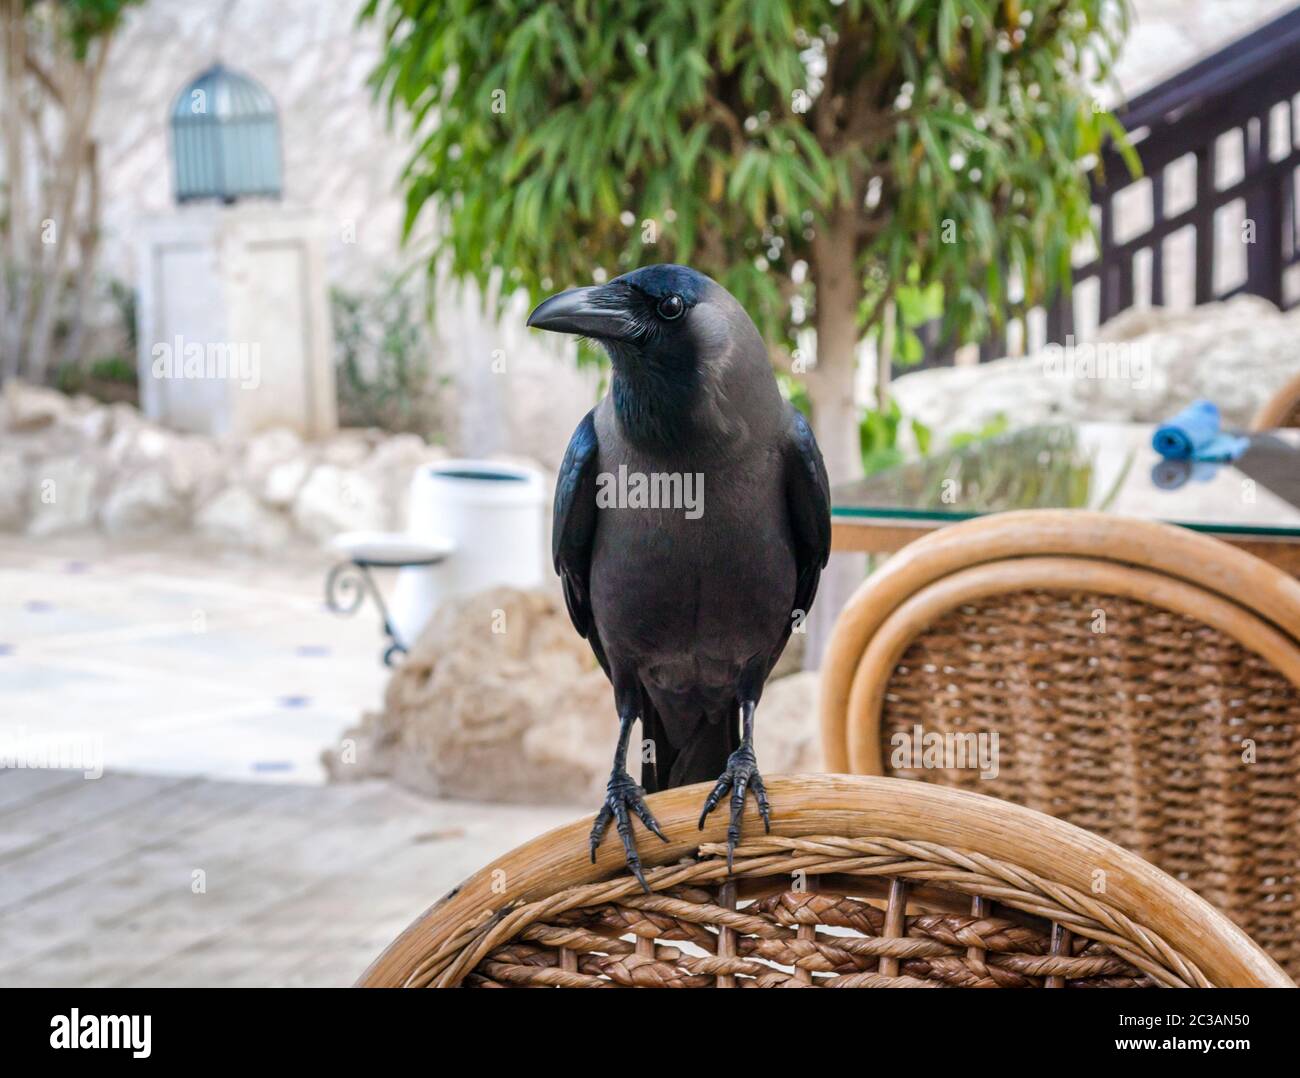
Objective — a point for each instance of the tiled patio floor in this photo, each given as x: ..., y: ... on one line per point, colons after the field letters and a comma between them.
x: 215, y: 683
x: 184, y: 661
x: 136, y: 880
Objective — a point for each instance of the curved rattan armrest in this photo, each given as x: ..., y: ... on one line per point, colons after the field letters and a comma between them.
x: 876, y: 833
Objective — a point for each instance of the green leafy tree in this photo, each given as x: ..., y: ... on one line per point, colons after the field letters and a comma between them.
x: 836, y: 165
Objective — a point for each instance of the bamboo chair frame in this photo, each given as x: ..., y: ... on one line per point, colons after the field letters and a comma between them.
x: 920, y: 886
x: 931, y: 609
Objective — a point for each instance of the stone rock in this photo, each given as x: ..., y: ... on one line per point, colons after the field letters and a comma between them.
x: 348, y: 448
x: 267, y: 449
x: 125, y: 417
x: 39, y: 443
x: 142, y: 503
x: 152, y: 443
x: 14, y: 507
x: 92, y: 425
x: 1142, y: 367
x: 62, y: 495
x: 402, y: 451
x: 523, y: 714
x: 71, y: 463
x: 28, y: 407
x: 953, y: 400
x: 134, y: 444
x: 1236, y: 353
x: 336, y: 500
x: 236, y: 517
x: 283, y: 481
x: 196, y: 467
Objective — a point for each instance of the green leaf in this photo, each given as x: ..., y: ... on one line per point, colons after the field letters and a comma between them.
x: 651, y: 106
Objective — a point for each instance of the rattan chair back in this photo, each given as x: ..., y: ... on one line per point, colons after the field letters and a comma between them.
x: 1135, y: 679
x: 863, y: 882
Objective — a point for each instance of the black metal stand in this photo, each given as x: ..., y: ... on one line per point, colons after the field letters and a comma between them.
x: 346, y: 588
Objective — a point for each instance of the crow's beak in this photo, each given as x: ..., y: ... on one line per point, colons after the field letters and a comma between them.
x: 596, y: 312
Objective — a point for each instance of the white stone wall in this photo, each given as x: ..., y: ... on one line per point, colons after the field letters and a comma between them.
x: 1237, y: 354
x: 341, y: 162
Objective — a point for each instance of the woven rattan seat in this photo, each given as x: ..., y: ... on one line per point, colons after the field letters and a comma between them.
x: 1142, y: 681
x: 863, y: 882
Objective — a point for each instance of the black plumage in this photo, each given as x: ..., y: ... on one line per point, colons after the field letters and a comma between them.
x: 687, y: 606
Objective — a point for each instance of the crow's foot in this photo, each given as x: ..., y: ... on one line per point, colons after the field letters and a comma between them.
x: 741, y: 775
x: 621, y: 795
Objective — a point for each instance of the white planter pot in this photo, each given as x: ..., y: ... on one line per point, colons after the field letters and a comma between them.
x: 492, y: 514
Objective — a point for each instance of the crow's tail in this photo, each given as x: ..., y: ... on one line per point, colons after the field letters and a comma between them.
x: 697, y: 754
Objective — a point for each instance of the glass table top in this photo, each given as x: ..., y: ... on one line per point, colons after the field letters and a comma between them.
x: 1109, y: 467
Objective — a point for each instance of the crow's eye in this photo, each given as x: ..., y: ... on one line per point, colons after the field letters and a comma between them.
x: 671, y: 307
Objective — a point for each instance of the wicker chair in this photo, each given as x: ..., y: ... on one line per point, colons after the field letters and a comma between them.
x: 1141, y: 679
x: 863, y: 882
x: 1280, y: 410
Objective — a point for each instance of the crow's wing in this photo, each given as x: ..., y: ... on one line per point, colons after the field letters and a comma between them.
x: 574, y: 528
x: 808, y: 501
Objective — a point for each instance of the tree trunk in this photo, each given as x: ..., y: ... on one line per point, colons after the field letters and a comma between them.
x: 835, y: 411
x: 47, y: 90
x: 831, y: 381
x: 81, y: 93
x: 87, y: 261
x: 13, y: 248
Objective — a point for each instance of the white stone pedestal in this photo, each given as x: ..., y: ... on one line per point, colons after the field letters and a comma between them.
x: 233, y: 321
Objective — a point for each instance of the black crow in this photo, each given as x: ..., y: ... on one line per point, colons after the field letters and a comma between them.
x: 692, y: 522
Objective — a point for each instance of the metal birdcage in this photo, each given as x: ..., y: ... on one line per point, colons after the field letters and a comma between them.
x: 225, y: 138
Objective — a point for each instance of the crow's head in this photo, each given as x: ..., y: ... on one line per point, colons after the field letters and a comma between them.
x: 653, y: 314
x: 675, y: 338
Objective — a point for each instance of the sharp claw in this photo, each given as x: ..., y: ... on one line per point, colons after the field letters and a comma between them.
x: 623, y: 794
x: 715, y: 795
x: 741, y: 777
x: 624, y: 823
x: 647, y: 818
x: 598, y: 828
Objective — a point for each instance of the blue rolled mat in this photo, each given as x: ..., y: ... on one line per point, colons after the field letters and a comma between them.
x: 1195, y: 434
